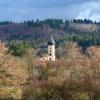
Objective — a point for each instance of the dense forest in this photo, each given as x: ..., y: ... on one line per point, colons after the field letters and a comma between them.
x: 84, y: 32
x: 75, y: 75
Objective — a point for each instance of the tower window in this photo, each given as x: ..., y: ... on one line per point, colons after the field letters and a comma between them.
x: 50, y: 59
x: 49, y: 54
x: 50, y: 48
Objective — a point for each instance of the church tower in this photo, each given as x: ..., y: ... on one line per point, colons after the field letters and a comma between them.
x: 51, y: 49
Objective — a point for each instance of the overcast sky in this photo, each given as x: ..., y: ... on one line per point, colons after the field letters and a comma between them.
x: 20, y: 10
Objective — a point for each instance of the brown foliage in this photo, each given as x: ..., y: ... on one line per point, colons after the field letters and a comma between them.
x: 11, y: 71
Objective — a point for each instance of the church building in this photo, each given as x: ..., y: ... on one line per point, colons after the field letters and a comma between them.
x: 51, y: 49
x: 51, y: 56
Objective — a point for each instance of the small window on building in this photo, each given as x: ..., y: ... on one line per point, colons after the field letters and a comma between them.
x: 50, y: 59
x: 49, y: 54
x: 50, y: 49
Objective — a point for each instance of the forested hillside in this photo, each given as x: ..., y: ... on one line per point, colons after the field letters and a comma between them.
x: 75, y: 75
x: 85, y: 32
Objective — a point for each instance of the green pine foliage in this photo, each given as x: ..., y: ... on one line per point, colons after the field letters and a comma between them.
x: 19, y: 49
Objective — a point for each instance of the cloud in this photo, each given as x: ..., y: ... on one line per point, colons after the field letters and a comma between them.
x: 41, y: 3
x: 90, y: 11
x: 19, y: 10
